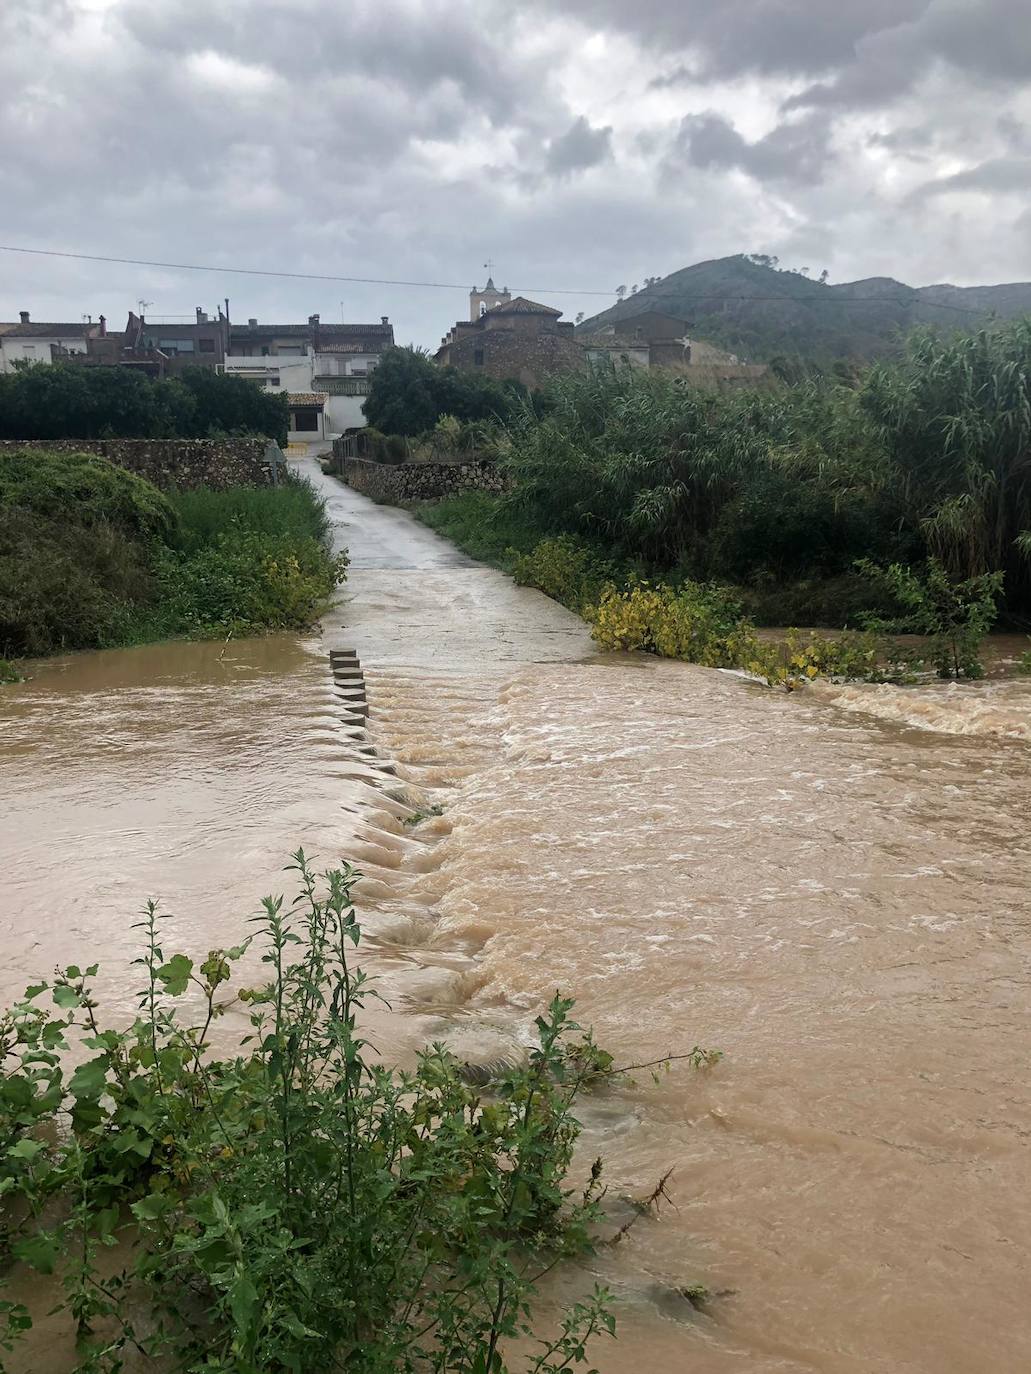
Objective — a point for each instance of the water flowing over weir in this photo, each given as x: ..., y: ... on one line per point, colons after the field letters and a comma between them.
x: 829, y: 887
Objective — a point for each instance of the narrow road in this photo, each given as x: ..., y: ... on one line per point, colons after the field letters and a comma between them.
x: 412, y: 598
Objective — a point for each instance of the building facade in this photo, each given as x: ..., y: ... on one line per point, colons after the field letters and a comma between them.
x: 517, y: 338
x: 326, y: 366
x: 28, y: 342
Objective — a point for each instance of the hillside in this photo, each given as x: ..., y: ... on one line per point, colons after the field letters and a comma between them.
x: 760, y: 312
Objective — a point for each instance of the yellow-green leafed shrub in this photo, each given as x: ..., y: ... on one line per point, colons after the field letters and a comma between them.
x: 696, y: 623
x: 700, y: 624
x: 564, y: 569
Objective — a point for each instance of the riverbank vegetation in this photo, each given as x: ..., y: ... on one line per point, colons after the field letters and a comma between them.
x: 900, y: 502
x: 66, y: 401
x: 93, y: 556
x: 288, y: 1204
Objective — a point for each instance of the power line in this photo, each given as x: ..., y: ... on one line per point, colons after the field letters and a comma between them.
x: 296, y: 276
x: 457, y: 286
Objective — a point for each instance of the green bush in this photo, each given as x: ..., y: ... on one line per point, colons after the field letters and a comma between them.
x: 92, y: 556
x: 84, y: 489
x: 292, y: 1206
x: 486, y: 527
x: 244, y: 582
x: 408, y: 394
x: 67, y: 401
x: 67, y: 586
x: 953, y: 615
x: 566, y: 569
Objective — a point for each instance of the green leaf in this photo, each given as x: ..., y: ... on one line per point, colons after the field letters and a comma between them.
x: 89, y: 1079
x: 176, y: 974
x: 40, y: 1251
x: 152, y: 1207
x: 297, y: 1327
x: 26, y: 1149
x: 66, y: 997
x: 243, y: 1303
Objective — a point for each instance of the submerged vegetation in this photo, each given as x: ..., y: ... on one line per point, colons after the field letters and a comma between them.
x: 93, y: 556
x: 289, y: 1205
x: 675, y: 517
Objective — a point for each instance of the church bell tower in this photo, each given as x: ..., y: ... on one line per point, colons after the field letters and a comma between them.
x: 487, y: 299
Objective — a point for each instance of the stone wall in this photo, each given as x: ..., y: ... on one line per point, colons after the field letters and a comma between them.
x: 182, y: 463
x: 396, y: 483
x: 530, y: 357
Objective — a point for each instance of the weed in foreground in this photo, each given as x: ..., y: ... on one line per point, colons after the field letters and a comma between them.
x: 292, y: 1205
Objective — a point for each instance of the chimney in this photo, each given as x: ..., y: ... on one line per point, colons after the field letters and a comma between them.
x: 253, y: 323
x: 103, y: 327
x: 24, y: 316
x: 313, y: 320
x: 384, y: 319
x: 202, y: 317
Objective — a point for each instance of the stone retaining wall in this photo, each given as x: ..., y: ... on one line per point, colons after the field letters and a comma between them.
x: 182, y: 463
x: 396, y: 483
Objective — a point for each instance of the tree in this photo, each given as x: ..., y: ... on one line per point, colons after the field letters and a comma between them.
x: 620, y: 292
x: 408, y: 394
x: 579, y: 317
x: 70, y: 401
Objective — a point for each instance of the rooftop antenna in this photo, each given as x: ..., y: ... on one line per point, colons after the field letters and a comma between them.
x: 144, y: 306
x: 341, y: 312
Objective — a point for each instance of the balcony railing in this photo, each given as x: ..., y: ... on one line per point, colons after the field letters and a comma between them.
x: 343, y: 386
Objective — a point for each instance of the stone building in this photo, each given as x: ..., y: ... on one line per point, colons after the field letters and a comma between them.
x: 515, y: 338
x: 652, y: 338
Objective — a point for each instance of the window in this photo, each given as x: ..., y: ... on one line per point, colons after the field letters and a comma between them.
x: 290, y: 351
x: 271, y: 381
x: 478, y: 358
x: 175, y: 345
x: 306, y: 421
x: 206, y: 345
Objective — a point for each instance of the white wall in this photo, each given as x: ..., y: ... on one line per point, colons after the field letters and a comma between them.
x: 36, y: 350
x: 295, y: 374
x: 344, y: 364
x: 344, y: 412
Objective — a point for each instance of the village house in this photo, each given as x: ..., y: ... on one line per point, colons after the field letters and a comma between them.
x: 511, y: 337
x: 30, y: 342
x: 654, y: 339
x: 323, y: 368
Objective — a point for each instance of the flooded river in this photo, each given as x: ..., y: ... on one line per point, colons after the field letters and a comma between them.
x: 830, y: 887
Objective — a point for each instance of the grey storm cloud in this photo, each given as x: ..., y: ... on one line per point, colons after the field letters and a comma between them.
x: 578, y: 148
x: 791, y: 152
x: 576, y: 145
x: 997, y: 175
x: 987, y: 41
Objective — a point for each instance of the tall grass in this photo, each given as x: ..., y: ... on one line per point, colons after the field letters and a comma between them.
x: 294, y: 509
x: 92, y: 556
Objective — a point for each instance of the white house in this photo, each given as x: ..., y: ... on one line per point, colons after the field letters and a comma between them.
x: 26, y: 342
x: 324, y: 369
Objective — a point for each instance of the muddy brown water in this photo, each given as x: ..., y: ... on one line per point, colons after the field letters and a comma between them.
x: 830, y: 887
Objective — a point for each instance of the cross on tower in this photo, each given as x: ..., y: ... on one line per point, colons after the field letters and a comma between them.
x: 489, y: 265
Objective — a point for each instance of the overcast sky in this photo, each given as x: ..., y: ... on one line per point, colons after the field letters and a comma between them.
x: 578, y: 145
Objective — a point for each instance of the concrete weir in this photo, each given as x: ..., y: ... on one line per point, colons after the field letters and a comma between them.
x: 349, y: 681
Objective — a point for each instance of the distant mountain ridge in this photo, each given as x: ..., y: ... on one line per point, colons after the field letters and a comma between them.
x: 760, y: 312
